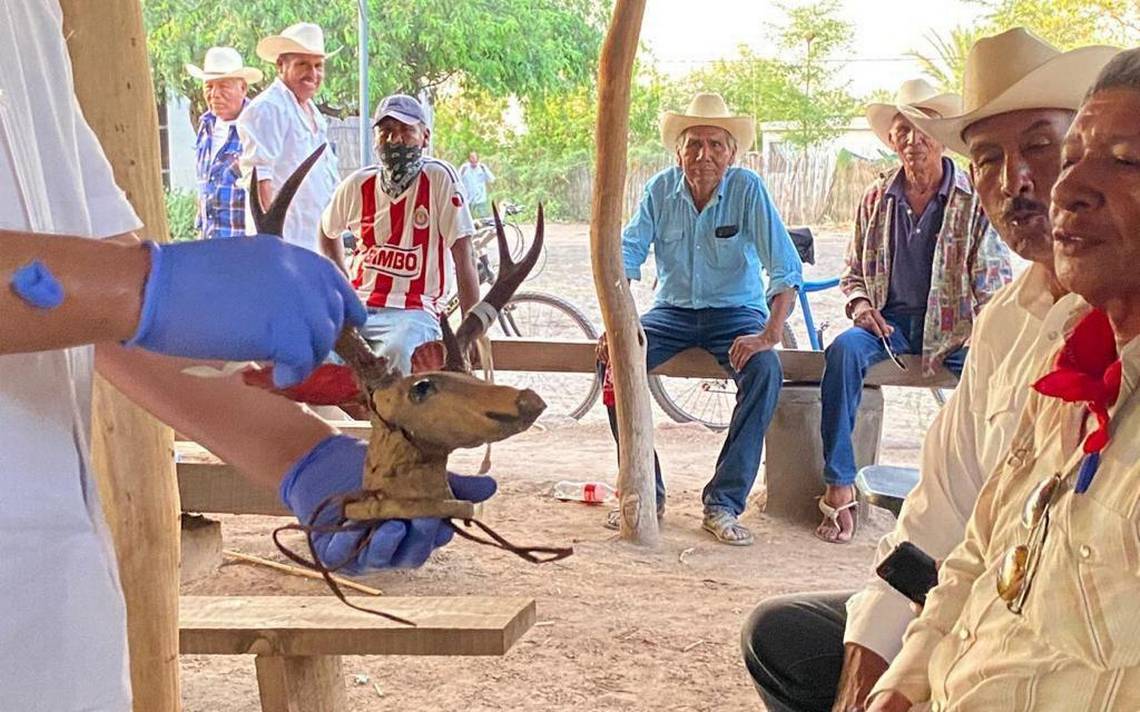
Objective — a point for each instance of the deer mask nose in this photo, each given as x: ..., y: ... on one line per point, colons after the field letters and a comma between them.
x: 529, y: 405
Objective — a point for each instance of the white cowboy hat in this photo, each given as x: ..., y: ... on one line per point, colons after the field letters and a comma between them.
x: 224, y: 63
x: 1013, y: 71
x: 915, y: 94
x: 301, y: 38
x: 708, y: 110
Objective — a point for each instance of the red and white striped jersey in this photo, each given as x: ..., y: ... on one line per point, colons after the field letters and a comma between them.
x: 403, y: 246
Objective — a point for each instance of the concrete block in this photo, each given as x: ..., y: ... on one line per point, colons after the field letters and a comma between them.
x: 793, y: 469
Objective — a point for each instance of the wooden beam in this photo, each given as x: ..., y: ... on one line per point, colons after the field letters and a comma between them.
x: 217, y: 488
x: 322, y: 625
x: 130, y: 449
x: 626, y: 338
x: 301, y: 684
x: 799, y: 366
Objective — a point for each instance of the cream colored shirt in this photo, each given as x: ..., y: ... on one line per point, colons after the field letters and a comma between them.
x: 965, y: 443
x: 1076, y: 645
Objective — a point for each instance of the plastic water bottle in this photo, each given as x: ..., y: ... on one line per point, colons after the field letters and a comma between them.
x: 588, y: 492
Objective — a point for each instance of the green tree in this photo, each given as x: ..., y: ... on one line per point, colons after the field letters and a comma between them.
x: 945, y: 62
x: 1070, y: 23
x: 521, y: 47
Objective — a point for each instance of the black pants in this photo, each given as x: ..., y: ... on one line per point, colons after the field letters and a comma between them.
x: 793, y: 648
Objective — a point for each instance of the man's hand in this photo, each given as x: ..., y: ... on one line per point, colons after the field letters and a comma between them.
x: 890, y: 701
x: 744, y: 347
x: 861, y: 670
x: 868, y: 317
x: 255, y: 299
x: 602, y: 350
x: 336, y: 465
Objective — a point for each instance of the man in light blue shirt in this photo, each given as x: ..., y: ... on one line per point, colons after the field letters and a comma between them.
x: 476, y: 176
x: 713, y: 228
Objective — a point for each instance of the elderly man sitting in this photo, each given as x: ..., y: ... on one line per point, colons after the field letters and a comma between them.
x: 221, y: 197
x: 1036, y: 608
x: 713, y: 228
x: 923, y: 261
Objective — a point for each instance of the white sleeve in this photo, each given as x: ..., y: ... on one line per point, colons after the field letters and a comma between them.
x: 110, y: 211
x: 490, y: 175
x: 936, y: 511
x: 454, y: 215
x: 343, y: 209
x: 261, y: 129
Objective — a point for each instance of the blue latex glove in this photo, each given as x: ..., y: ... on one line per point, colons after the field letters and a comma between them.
x: 249, y: 299
x: 336, y: 465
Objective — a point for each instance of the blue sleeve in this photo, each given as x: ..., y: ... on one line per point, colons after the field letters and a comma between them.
x: 778, y: 254
x: 637, y: 236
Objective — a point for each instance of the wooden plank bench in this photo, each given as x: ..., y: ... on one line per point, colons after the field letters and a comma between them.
x: 298, y: 641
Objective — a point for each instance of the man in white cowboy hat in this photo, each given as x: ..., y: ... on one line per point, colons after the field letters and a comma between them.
x: 1013, y: 140
x: 282, y: 126
x: 221, y: 195
x: 412, y: 230
x: 922, y: 262
x: 713, y: 230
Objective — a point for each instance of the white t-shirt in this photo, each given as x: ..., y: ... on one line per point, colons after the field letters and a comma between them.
x: 63, y: 626
x: 219, y: 136
x: 277, y: 135
x: 403, y: 251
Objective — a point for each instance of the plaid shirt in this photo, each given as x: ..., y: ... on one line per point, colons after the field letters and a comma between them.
x: 221, y: 201
x: 970, y: 264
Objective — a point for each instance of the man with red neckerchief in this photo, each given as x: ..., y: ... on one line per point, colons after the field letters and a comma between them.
x: 1035, y: 610
x: 412, y: 229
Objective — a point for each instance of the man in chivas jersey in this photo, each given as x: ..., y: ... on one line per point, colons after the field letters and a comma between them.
x: 413, y: 230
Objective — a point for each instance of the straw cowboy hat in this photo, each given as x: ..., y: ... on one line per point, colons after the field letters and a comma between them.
x: 1013, y: 71
x: 224, y: 63
x: 708, y: 110
x: 301, y: 38
x: 915, y: 94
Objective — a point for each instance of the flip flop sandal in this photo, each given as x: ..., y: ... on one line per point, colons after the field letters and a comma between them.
x: 613, y: 518
x: 720, y: 523
x: 831, y: 515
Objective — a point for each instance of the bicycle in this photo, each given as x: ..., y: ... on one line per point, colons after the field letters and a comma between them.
x: 538, y: 316
x: 485, y: 233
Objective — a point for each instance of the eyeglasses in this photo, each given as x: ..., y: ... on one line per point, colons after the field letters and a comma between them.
x: 1019, y: 566
x: 891, y: 353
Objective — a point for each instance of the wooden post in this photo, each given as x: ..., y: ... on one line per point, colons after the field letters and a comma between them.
x: 132, y: 452
x: 626, y: 339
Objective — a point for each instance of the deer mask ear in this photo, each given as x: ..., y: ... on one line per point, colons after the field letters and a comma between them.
x: 428, y: 357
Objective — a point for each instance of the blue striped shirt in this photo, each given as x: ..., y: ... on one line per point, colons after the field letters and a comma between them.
x: 221, y: 199
x: 712, y: 258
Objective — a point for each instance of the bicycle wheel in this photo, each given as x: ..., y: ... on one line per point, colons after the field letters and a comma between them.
x: 708, y: 401
x: 534, y: 315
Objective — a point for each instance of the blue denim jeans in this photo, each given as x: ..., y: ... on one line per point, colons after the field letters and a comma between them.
x: 845, y: 364
x: 396, y: 333
x: 671, y: 330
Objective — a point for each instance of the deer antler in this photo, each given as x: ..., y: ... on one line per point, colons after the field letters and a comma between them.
x: 510, y: 277
x: 372, y: 370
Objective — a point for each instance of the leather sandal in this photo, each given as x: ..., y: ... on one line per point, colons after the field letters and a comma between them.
x: 831, y: 516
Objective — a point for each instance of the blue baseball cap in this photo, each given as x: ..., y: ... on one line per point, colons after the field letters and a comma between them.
x: 401, y: 107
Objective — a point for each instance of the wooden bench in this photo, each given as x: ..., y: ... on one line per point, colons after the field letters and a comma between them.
x: 298, y: 640
x: 216, y: 488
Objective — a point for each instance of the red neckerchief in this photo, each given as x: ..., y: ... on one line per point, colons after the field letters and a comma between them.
x: 1087, y: 371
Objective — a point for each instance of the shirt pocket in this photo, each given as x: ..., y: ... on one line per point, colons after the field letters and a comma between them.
x: 669, y: 247
x: 728, y: 254
x: 1088, y: 578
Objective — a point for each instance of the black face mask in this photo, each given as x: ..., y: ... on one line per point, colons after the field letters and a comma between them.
x: 401, y: 164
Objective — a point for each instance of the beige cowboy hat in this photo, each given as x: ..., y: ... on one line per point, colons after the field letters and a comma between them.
x: 224, y: 63
x: 708, y: 110
x: 1013, y: 71
x: 913, y: 94
x: 301, y: 38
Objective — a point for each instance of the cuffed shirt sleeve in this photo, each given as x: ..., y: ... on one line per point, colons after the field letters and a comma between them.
x: 637, y: 236
x: 774, y: 245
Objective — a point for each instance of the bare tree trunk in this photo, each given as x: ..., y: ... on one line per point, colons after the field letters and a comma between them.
x: 132, y: 452
x: 626, y: 339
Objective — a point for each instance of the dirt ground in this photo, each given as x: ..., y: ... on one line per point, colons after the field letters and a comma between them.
x: 619, y: 627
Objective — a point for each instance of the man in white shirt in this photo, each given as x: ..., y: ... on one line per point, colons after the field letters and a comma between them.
x: 804, y: 651
x: 63, y: 630
x: 412, y: 231
x: 282, y: 127
x: 221, y: 194
x: 476, y: 177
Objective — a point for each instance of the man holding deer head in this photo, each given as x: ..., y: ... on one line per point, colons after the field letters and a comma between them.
x: 713, y: 228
